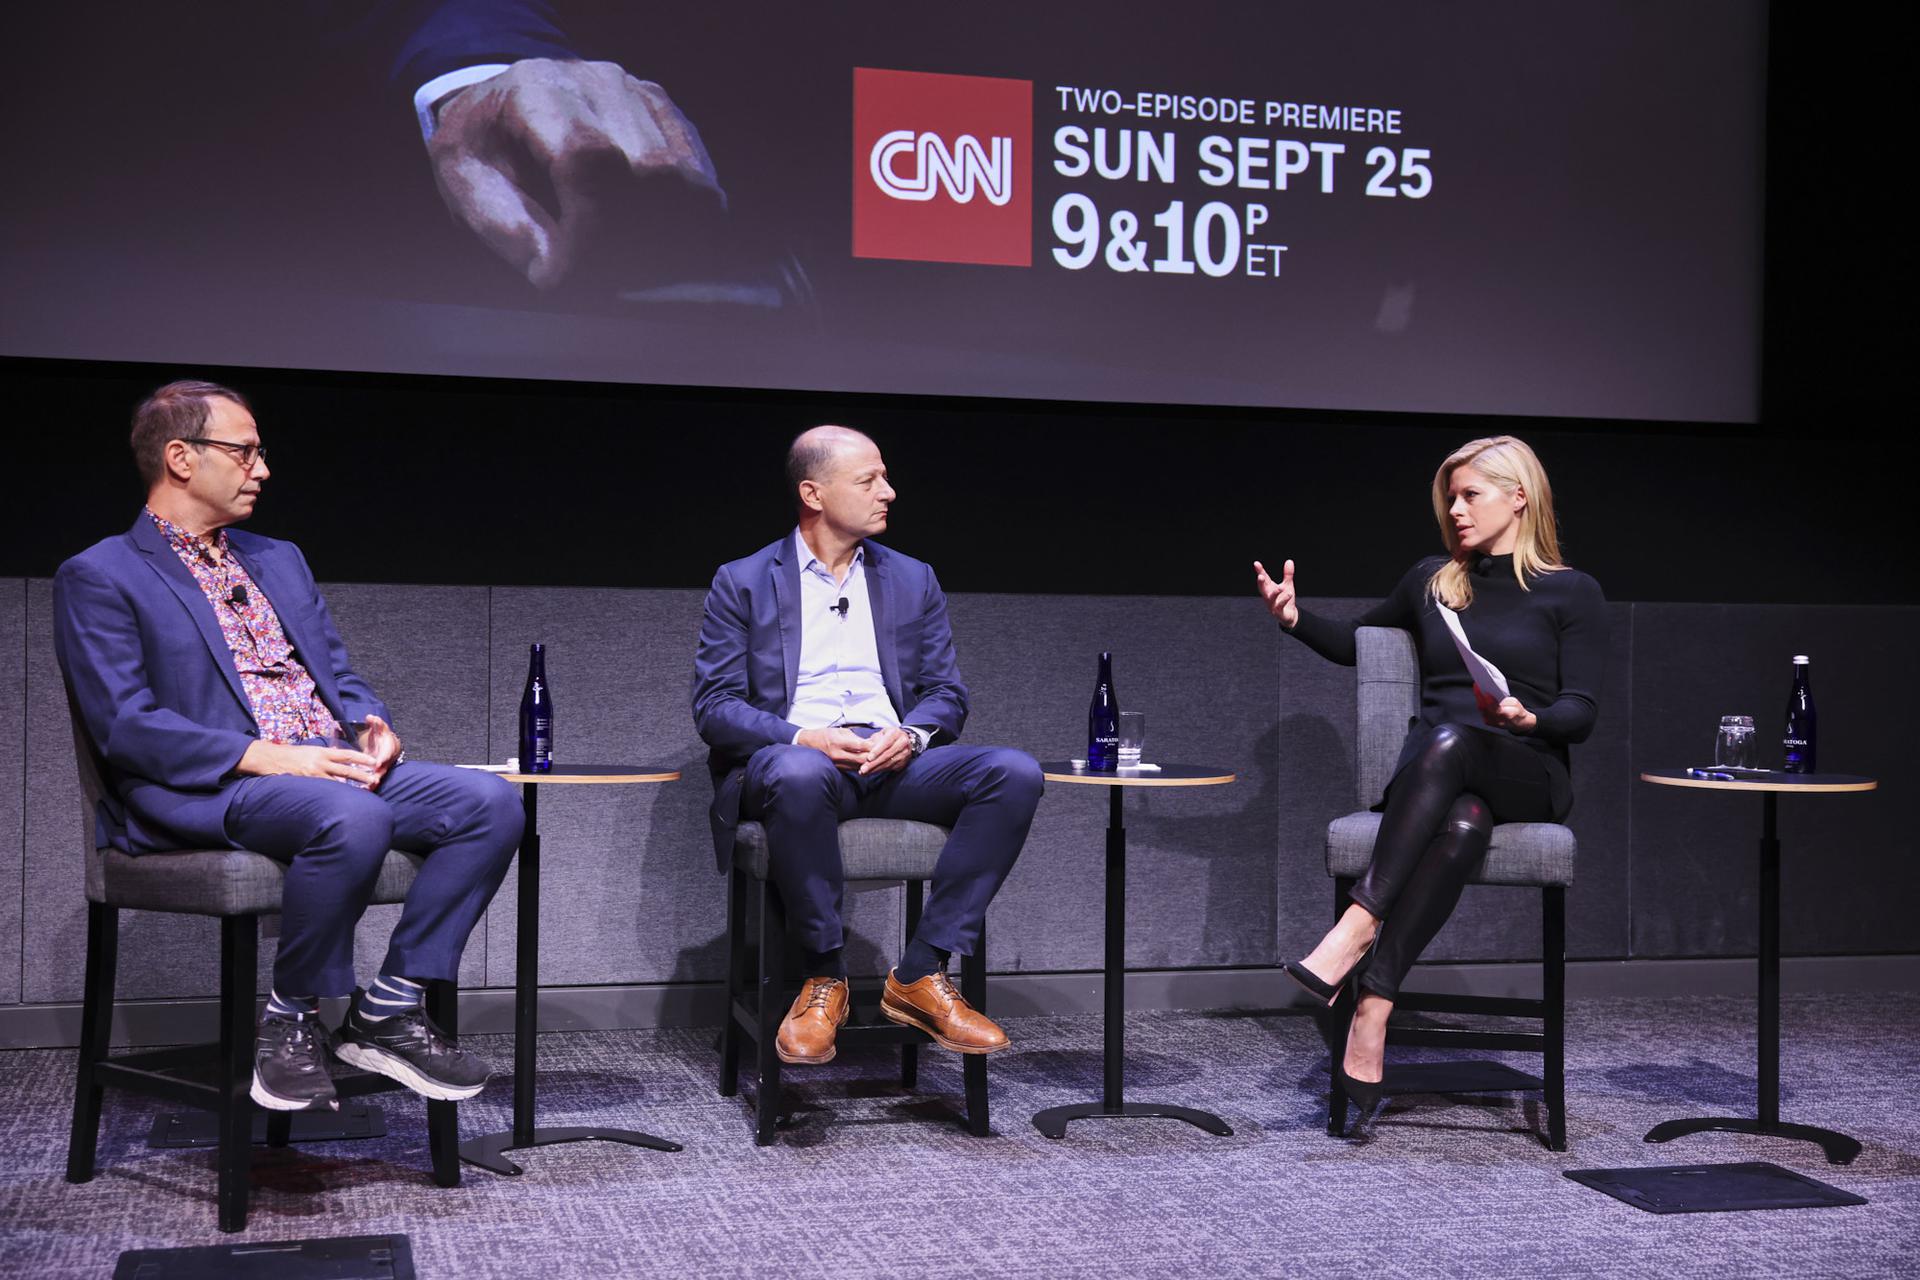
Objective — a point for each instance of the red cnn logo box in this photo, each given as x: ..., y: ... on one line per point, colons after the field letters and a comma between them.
x: 942, y: 167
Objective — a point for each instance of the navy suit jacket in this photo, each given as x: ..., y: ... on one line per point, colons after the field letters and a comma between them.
x: 153, y: 679
x: 746, y: 669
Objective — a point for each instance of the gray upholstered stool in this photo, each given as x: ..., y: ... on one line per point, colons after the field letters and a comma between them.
x: 885, y: 850
x: 237, y: 887
x: 1534, y: 855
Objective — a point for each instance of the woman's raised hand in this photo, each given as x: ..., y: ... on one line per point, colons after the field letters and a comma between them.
x: 1279, y: 596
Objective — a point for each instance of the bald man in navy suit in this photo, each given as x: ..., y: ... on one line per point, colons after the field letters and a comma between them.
x: 826, y: 686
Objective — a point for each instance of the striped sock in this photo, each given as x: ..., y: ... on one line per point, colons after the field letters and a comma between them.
x: 389, y: 995
x: 279, y: 1006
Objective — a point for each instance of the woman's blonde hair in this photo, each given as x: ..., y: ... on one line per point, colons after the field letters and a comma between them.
x: 1509, y: 464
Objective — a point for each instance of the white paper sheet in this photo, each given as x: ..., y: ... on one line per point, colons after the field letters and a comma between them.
x: 1486, y: 676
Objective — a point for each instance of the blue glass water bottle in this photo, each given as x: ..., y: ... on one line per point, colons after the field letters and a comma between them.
x: 1103, y: 721
x: 1802, y: 737
x: 536, y: 716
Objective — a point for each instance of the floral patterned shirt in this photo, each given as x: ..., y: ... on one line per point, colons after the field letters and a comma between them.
x: 286, y: 705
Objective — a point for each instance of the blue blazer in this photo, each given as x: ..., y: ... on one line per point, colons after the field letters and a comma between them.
x: 746, y: 669
x: 153, y: 679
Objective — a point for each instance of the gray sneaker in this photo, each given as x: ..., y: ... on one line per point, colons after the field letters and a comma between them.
x: 408, y: 1048
x: 290, y: 1065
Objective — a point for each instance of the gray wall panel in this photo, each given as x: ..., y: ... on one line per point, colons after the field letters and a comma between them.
x: 54, y: 924
x: 1219, y: 876
x: 1849, y: 866
x: 1600, y: 902
x: 1200, y: 860
x: 628, y: 891
x: 423, y: 649
x: 13, y: 779
x: 1314, y: 702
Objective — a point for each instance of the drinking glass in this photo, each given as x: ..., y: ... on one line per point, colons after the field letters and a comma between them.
x: 1133, y: 737
x: 1733, y: 748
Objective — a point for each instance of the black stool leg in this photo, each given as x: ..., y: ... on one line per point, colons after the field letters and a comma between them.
x: 239, y: 938
x: 96, y: 1029
x: 1337, y: 1031
x: 1553, y: 983
x: 280, y: 1128
x: 973, y: 1066
x: 773, y: 963
x: 910, y: 1051
x: 736, y: 982
x: 443, y: 1118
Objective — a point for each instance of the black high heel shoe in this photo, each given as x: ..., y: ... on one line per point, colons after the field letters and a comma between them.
x: 1369, y: 1096
x: 1320, y: 989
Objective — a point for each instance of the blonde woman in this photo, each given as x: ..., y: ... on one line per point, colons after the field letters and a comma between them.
x: 1470, y: 760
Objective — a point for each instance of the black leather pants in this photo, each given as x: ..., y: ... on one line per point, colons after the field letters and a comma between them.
x: 1439, y: 818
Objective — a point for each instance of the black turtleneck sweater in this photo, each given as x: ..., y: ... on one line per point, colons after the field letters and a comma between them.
x: 1550, y: 641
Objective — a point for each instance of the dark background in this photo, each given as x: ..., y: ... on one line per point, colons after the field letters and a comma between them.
x: 389, y: 478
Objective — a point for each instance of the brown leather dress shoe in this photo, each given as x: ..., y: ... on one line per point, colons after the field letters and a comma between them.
x: 935, y: 1006
x: 806, y: 1033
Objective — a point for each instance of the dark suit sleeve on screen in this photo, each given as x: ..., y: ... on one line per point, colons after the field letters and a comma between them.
x: 395, y: 46
x: 453, y: 34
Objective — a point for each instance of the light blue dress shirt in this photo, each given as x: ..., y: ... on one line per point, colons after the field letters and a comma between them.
x: 839, y: 681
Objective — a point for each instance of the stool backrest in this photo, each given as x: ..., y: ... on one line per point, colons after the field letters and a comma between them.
x: 1389, y: 701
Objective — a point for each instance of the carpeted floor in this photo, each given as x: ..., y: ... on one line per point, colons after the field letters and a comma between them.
x: 871, y: 1182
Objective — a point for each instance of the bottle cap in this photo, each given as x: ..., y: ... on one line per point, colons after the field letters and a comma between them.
x: 1799, y: 658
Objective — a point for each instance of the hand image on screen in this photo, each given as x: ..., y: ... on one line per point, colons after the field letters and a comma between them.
x: 549, y: 157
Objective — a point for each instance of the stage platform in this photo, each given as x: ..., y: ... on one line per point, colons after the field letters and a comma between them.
x: 870, y: 1181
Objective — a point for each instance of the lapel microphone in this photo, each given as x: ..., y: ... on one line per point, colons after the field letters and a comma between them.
x: 238, y: 596
x: 840, y: 608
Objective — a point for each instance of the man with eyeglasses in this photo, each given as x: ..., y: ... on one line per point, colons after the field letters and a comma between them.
x: 217, y: 694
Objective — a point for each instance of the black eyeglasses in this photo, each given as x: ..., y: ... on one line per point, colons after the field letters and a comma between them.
x: 244, y: 454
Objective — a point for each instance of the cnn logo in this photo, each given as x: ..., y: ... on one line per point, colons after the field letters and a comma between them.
x: 941, y: 167
x: 959, y: 171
